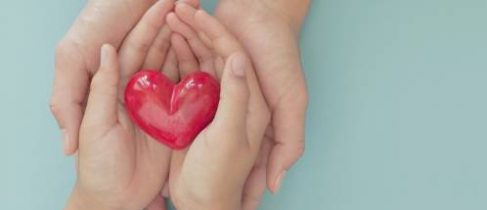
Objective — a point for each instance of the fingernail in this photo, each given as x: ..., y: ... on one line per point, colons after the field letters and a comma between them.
x: 278, y: 182
x: 65, y: 140
x: 239, y: 64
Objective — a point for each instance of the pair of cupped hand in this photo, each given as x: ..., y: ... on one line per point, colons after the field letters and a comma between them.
x: 120, y: 167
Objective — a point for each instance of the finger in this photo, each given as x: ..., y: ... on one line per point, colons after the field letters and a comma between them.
x: 220, y: 39
x: 193, y: 3
x: 200, y: 50
x: 256, y: 183
x: 70, y: 86
x: 232, y: 110
x: 289, y: 136
x: 186, y: 61
x: 170, y: 66
x: 157, y: 204
x: 101, y: 110
x: 138, y: 42
x: 158, y: 51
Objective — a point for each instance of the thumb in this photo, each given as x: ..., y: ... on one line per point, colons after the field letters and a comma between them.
x: 232, y: 110
x: 101, y: 110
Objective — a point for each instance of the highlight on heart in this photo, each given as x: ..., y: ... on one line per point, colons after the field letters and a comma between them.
x: 172, y: 114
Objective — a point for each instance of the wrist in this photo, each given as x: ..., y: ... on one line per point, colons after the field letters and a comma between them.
x: 295, y: 11
x: 290, y: 13
x: 221, y: 205
x: 188, y: 201
x: 79, y: 201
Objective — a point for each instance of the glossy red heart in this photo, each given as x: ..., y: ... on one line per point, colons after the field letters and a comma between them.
x: 171, y: 113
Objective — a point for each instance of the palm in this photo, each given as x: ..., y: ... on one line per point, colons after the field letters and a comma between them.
x: 134, y: 167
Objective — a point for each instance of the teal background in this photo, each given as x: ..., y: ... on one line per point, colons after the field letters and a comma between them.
x: 397, y: 117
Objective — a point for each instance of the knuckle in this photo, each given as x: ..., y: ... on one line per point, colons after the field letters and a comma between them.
x: 61, y: 47
x: 55, y: 107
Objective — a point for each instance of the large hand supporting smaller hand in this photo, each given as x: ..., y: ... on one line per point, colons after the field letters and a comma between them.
x: 212, y: 172
x: 269, y: 31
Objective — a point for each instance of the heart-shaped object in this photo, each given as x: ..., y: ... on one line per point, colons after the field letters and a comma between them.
x: 171, y: 113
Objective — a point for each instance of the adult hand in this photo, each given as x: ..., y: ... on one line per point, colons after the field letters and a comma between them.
x: 212, y: 172
x: 119, y: 166
x: 269, y: 30
x: 77, y: 58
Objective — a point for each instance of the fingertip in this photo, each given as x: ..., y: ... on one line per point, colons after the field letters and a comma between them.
x: 282, y: 158
x: 170, y: 19
x: 234, y: 74
x: 68, y: 116
x: 166, y: 6
x: 276, y: 185
x: 184, y: 8
x: 201, y: 17
x: 192, y: 3
x: 234, y: 84
x: 173, y: 22
x: 70, y: 142
x: 201, y: 13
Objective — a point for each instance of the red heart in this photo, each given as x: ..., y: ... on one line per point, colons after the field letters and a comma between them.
x: 172, y: 114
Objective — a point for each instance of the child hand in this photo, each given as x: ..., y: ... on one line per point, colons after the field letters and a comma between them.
x: 211, y: 173
x: 118, y: 166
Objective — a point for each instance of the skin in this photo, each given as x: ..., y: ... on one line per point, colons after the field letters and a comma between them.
x: 224, y: 152
x: 77, y: 60
x: 118, y: 165
x: 212, y: 173
x: 263, y: 26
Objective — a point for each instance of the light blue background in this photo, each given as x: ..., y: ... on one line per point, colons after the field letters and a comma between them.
x: 397, y: 118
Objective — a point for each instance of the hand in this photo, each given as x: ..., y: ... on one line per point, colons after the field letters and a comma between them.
x: 212, y: 172
x: 77, y: 58
x: 269, y: 31
x: 120, y: 167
